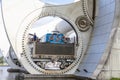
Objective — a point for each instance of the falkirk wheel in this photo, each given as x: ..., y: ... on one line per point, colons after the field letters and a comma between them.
x: 94, y: 29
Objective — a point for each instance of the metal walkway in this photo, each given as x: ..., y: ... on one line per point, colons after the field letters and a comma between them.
x: 49, y: 77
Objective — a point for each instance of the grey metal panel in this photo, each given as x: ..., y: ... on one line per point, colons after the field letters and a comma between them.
x: 91, y: 68
x: 107, y: 9
x: 102, y: 3
x: 102, y: 30
x: 94, y: 59
x: 100, y: 37
x: 106, y: 19
x: 105, y: 2
x: 96, y: 48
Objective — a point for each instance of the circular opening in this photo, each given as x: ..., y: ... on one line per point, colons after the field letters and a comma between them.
x: 59, y: 2
x: 51, y: 43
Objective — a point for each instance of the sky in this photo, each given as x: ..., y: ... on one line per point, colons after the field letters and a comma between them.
x: 44, y: 25
x: 4, y: 44
x: 58, y: 2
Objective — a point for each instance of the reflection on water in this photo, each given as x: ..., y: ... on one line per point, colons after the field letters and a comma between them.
x: 3, y: 72
x: 4, y: 75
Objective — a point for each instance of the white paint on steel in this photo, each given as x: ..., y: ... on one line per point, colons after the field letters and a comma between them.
x: 19, y: 15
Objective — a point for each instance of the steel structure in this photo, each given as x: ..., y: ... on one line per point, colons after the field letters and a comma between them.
x: 96, y: 26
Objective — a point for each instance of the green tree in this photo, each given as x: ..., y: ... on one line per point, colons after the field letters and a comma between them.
x: 1, y: 60
x: 115, y: 79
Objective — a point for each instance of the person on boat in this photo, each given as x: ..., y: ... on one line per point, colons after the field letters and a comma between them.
x: 34, y: 37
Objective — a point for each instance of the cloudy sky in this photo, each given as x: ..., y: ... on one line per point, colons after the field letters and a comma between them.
x: 58, y: 1
x: 4, y: 44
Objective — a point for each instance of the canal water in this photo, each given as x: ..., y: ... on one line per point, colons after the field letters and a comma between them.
x: 4, y: 75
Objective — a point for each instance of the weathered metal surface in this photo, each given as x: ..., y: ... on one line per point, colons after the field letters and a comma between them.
x: 53, y: 49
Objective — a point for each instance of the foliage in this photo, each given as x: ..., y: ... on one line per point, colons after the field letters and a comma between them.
x: 115, y: 79
x: 1, y: 60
